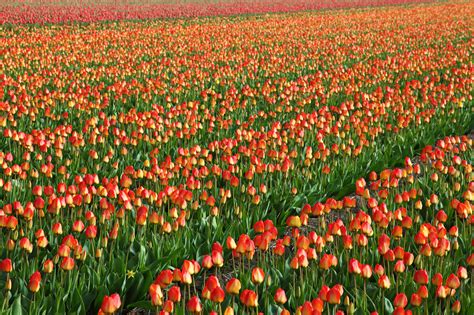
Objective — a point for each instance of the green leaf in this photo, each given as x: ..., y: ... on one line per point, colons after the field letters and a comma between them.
x: 388, y: 306
x: 78, y: 303
x: 16, y: 307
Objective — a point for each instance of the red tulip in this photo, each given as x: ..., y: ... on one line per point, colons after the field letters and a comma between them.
x: 421, y: 277
x: 400, y: 300
x: 217, y: 295
x: 399, y: 267
x: 249, y: 298
x: 168, y: 307
x: 456, y: 306
x: 111, y: 304
x: 354, y: 266
x: 6, y: 265
x: 416, y: 300
x: 280, y: 296
x: 174, y: 294
x: 333, y: 296
x: 437, y: 279
x: 194, y: 305
x: 207, y: 262
x: 35, y: 282
x: 67, y: 263
x: 155, y: 294
x: 423, y: 292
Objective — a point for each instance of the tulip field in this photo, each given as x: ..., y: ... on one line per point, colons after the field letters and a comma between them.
x: 218, y: 162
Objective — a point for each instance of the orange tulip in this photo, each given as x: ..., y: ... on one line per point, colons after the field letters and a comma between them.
x: 194, y: 305
x: 258, y: 275
x: 233, y: 286
x: 384, y: 282
x: 334, y: 296
x: 67, y: 263
x: 35, y: 282
x: 111, y: 304
x: 249, y: 298
x: 156, y: 295
x: 6, y: 265
x: 280, y: 296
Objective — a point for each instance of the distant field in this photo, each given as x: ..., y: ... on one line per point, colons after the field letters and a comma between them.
x: 59, y: 11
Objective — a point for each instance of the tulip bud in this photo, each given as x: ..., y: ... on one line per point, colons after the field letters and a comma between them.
x: 347, y: 300
x: 351, y: 309
x: 8, y: 284
x: 10, y: 245
x: 455, y: 245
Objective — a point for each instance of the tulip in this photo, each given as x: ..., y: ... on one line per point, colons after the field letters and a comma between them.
x: 217, y: 295
x: 174, y: 294
x: 437, y: 279
x: 168, y: 306
x: 323, y: 292
x: 67, y: 263
x: 384, y: 282
x: 456, y: 306
x: 194, y: 305
x: 366, y: 271
x: 379, y: 270
x: 462, y: 272
x: 6, y: 265
x: 423, y: 292
x: 217, y: 258
x: 334, y: 296
x: 293, y: 221
x: 230, y: 243
x: 207, y: 262
x: 165, y: 278
x: 416, y: 300
x: 280, y: 296
x: 48, y: 266
x: 257, y: 275
x: 155, y: 294
x: 453, y: 281
x: 421, y: 277
x: 399, y: 267
x: 35, y: 282
x: 233, y: 286
x: 442, y: 291
x: 111, y: 304
x: 354, y: 266
x: 91, y: 232
x: 249, y: 298
x: 400, y: 300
